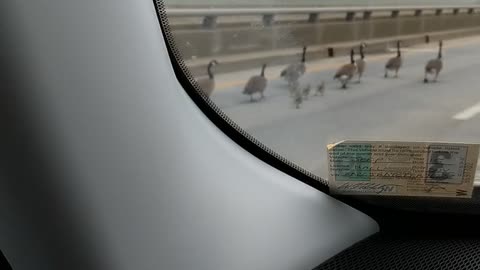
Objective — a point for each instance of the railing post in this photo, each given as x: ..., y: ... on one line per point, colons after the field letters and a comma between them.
x: 471, y: 11
x: 438, y: 12
x: 455, y: 11
x: 418, y: 12
x: 312, y: 17
x: 268, y: 19
x: 331, y: 52
x: 367, y: 15
x: 395, y: 13
x: 350, y: 16
x: 209, y: 21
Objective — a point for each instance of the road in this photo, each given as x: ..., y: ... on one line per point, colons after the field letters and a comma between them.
x: 403, y: 109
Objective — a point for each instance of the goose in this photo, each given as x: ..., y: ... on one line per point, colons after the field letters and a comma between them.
x: 320, y: 89
x: 361, y: 64
x: 207, y: 84
x: 256, y: 84
x: 394, y: 63
x: 295, y: 70
x: 296, y: 94
x: 297, y: 99
x: 346, y: 72
x: 434, y: 66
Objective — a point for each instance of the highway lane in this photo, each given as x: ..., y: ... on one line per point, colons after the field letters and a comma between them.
x: 376, y: 109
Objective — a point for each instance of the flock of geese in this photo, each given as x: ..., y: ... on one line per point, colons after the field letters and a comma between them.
x: 294, y: 71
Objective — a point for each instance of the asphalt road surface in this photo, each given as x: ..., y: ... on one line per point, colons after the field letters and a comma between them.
x: 402, y: 109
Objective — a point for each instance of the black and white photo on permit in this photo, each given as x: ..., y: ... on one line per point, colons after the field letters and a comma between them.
x: 439, y: 169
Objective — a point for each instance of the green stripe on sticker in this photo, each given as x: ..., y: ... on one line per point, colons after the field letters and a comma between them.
x: 352, y: 162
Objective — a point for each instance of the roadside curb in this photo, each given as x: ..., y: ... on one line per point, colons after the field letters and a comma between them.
x: 316, y: 52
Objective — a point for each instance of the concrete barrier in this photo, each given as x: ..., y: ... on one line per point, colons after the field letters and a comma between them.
x: 243, y: 46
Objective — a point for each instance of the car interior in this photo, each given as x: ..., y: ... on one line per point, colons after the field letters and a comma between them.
x: 126, y: 145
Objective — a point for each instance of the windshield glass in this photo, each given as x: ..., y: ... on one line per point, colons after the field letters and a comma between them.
x: 301, y: 74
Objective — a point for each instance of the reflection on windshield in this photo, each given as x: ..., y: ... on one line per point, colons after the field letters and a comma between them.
x: 299, y: 76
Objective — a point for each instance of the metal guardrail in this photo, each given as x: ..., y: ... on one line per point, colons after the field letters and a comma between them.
x: 210, y: 15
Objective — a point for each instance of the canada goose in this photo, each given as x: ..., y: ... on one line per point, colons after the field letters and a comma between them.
x: 361, y: 63
x: 346, y: 72
x: 296, y: 94
x: 320, y: 89
x: 298, y: 99
x: 394, y: 63
x: 295, y: 70
x: 256, y: 84
x: 207, y: 84
x: 434, y: 66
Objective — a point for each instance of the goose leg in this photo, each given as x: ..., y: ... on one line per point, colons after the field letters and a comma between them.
x: 262, y: 97
x: 251, y: 98
x: 436, y: 76
x: 386, y: 73
x: 396, y: 73
x: 426, y: 78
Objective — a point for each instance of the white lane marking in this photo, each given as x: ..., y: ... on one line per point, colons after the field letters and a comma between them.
x: 468, y: 113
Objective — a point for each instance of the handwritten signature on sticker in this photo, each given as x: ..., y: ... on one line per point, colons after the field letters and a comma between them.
x: 367, y: 188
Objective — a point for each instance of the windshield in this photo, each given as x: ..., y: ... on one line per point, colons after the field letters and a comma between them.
x: 299, y: 75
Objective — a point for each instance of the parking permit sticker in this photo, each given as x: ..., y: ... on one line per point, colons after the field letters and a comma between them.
x: 402, y: 168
